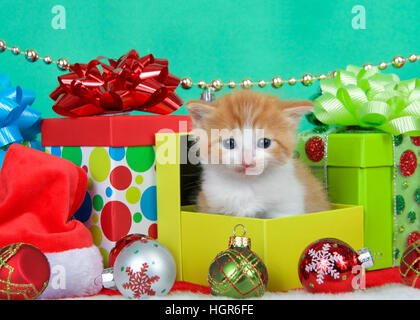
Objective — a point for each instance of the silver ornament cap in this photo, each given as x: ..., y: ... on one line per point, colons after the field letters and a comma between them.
x: 107, y: 279
x: 208, y: 95
x: 365, y: 258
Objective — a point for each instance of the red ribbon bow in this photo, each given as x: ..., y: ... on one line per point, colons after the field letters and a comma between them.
x: 130, y: 83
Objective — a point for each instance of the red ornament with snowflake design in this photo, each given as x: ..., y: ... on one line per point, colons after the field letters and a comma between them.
x: 331, y: 265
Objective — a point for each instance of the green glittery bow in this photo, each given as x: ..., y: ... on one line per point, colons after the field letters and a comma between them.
x: 370, y: 99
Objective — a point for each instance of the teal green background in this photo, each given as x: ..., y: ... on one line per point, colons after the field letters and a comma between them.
x: 210, y: 39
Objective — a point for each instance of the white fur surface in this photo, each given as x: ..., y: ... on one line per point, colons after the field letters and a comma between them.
x: 274, y: 193
x: 393, y: 291
x: 74, y: 273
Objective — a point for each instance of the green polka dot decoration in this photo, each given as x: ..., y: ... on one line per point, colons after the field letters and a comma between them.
x: 320, y: 129
x: 140, y: 158
x: 137, y: 217
x: 90, y: 184
x: 105, y: 256
x: 99, y: 164
x: 73, y: 154
x: 397, y: 253
x: 411, y: 216
x: 139, y: 179
x: 400, y: 203
x: 398, y: 139
x: 132, y: 195
x: 95, y: 218
x: 98, y: 202
x: 96, y: 235
x: 417, y: 195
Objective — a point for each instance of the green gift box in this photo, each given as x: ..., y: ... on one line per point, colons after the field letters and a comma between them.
x: 365, y: 148
x: 373, y: 169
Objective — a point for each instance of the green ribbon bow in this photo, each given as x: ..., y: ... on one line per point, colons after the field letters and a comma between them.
x: 368, y: 98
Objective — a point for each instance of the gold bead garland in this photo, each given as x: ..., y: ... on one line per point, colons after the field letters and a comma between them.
x: 31, y: 55
x: 276, y: 82
x: 307, y: 79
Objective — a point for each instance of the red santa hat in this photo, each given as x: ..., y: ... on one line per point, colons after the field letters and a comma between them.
x: 39, y: 193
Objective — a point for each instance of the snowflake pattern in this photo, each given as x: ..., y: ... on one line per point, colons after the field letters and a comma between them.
x: 323, y: 263
x: 139, y: 282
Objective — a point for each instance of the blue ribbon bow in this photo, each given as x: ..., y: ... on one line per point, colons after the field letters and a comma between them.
x: 18, y: 121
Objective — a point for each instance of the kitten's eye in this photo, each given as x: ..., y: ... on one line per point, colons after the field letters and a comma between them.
x: 264, y: 143
x: 229, y: 143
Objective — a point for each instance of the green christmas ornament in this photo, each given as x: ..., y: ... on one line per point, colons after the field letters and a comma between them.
x: 400, y: 203
x: 238, y: 272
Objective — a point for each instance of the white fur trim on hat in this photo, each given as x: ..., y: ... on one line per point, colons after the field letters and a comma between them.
x: 74, y: 273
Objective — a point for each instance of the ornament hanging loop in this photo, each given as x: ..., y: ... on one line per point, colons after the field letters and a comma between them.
x: 239, y: 241
x: 208, y: 94
x: 239, y: 225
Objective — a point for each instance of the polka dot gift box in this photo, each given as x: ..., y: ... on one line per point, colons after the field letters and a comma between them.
x: 118, y: 155
x: 373, y: 169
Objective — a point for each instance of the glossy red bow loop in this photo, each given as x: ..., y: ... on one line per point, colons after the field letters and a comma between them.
x: 123, y: 85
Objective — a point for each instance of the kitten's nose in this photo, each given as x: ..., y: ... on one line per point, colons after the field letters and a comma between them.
x: 248, y: 158
x: 248, y: 164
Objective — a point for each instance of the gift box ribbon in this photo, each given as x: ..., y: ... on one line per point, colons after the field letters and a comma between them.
x: 127, y: 84
x: 368, y: 98
x: 18, y: 121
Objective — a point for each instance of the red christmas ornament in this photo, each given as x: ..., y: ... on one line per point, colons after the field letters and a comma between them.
x: 416, y: 141
x: 413, y: 237
x: 124, y: 242
x: 24, y: 272
x: 330, y: 265
x: 410, y: 265
x: 408, y: 163
x: 314, y: 148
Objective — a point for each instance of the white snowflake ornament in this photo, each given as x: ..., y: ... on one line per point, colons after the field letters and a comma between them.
x: 144, y: 268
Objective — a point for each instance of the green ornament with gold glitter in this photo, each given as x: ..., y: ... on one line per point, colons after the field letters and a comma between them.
x: 238, y: 272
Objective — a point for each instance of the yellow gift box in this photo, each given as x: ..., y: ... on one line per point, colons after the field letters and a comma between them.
x: 195, y: 238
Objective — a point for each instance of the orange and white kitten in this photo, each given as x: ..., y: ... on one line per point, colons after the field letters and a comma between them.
x: 248, y: 169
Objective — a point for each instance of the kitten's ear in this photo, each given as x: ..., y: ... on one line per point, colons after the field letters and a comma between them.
x: 296, y: 109
x: 199, y: 112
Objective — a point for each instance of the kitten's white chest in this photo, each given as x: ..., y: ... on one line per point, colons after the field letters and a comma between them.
x: 273, y: 195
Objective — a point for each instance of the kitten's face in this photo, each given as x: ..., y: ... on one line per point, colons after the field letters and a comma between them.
x: 246, y: 132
